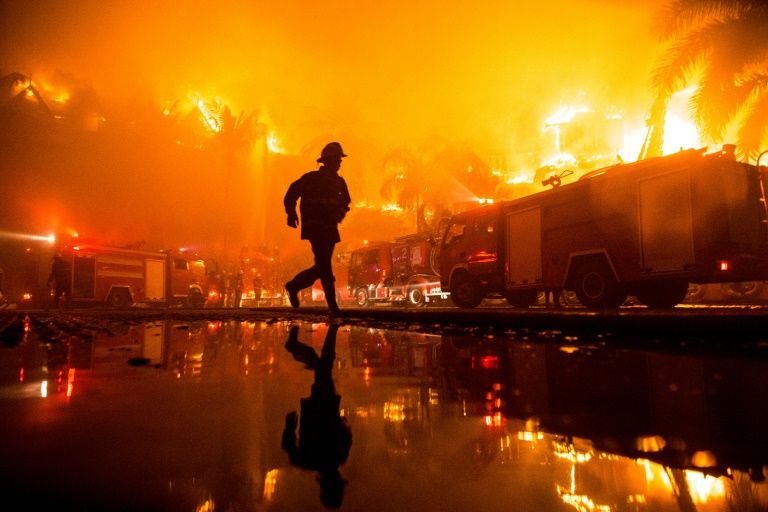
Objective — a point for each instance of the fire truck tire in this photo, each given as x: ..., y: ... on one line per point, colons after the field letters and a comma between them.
x: 521, y: 298
x: 416, y: 296
x: 119, y: 298
x: 466, y: 292
x: 596, y: 287
x: 742, y: 290
x: 361, y: 298
x: 664, y: 294
x: 695, y: 293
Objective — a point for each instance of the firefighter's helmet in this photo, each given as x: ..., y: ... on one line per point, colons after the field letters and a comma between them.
x: 331, y: 150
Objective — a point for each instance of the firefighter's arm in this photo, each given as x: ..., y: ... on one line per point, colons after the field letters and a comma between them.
x: 345, y: 201
x: 289, y: 202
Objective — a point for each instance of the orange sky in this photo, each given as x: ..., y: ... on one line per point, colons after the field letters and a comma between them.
x: 395, y: 70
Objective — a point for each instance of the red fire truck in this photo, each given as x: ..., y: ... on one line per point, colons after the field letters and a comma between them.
x: 646, y: 229
x: 118, y: 277
x: 403, y: 272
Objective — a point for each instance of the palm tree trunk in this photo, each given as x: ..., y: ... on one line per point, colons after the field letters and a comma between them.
x: 654, y: 139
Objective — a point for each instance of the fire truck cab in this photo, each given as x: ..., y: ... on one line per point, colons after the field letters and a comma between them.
x: 646, y: 229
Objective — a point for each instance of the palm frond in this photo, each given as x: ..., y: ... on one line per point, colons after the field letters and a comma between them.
x: 679, y: 62
x: 753, y: 132
x: 681, y: 16
x: 725, y: 49
x: 717, y: 104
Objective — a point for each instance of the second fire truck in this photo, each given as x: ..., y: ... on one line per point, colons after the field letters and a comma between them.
x: 403, y: 272
x: 645, y: 229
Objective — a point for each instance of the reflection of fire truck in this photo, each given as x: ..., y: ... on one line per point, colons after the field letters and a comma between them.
x: 119, y: 277
x: 403, y: 272
x: 646, y: 229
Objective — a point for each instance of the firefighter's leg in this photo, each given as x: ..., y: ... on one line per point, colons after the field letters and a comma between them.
x: 323, y: 255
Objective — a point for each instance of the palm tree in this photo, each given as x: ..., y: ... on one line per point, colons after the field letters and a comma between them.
x: 723, y: 44
x: 406, y: 183
x: 436, y: 175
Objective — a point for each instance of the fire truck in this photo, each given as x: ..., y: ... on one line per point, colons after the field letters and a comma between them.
x: 118, y: 277
x: 645, y: 229
x: 402, y: 272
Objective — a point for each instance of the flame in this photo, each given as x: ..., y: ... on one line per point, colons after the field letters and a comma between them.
x: 563, y: 116
x: 274, y: 144
x: 270, y: 483
x: 520, y: 177
x: 679, y: 130
x: 394, y: 412
x: 210, y: 113
x: 560, y: 160
x: 704, y: 487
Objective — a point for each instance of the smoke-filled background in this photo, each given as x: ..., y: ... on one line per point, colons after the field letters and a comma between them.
x: 181, y: 123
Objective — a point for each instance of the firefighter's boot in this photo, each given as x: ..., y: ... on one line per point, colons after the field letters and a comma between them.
x: 329, y: 289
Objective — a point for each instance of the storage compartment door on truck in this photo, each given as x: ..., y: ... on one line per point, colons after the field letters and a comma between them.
x: 155, y: 279
x: 523, y: 247
x: 83, y: 276
x: 666, y: 224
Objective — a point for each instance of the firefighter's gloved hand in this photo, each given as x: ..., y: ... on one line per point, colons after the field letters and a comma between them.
x: 293, y: 220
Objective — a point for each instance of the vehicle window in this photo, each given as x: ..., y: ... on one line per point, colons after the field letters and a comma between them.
x: 455, y: 231
x: 180, y: 264
x: 372, y: 257
x: 485, y: 225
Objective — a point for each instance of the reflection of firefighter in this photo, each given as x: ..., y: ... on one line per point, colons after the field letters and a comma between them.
x: 60, y: 280
x: 324, y: 435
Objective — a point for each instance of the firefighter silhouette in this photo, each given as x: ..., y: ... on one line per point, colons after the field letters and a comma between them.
x: 324, y: 204
x: 60, y: 280
x: 324, y: 436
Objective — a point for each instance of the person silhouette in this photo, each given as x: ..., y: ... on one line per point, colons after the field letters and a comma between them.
x: 324, y: 436
x: 60, y: 280
x: 324, y: 204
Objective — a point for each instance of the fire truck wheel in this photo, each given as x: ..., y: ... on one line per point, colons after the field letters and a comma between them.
x: 596, y: 287
x: 664, y: 294
x: 742, y: 290
x: 361, y: 298
x: 416, y: 296
x: 695, y: 292
x: 521, y: 298
x: 466, y: 292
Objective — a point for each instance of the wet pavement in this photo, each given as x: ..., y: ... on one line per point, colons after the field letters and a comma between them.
x: 186, y: 413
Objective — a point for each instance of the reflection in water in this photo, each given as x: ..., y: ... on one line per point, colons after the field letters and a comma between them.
x: 440, y: 422
x: 324, y: 436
